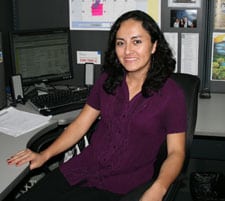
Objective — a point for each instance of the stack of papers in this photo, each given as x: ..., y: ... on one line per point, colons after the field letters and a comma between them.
x: 15, y: 122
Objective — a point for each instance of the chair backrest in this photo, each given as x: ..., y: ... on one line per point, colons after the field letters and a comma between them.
x: 190, y: 84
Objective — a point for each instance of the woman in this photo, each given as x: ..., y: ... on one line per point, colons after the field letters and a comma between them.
x: 139, y: 106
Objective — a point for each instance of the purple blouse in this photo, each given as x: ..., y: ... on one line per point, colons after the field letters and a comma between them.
x: 124, y: 146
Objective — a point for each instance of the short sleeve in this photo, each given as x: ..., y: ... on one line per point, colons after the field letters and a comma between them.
x: 94, y: 98
x: 176, y: 114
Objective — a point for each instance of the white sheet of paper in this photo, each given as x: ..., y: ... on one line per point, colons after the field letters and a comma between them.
x: 189, y: 53
x: 14, y: 122
x: 88, y: 57
x: 172, y: 39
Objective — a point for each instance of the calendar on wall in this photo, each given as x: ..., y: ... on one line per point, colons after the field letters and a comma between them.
x: 100, y: 14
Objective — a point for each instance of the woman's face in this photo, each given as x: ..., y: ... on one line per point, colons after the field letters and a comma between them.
x: 134, y: 46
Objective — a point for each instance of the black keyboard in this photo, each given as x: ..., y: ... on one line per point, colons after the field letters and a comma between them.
x: 59, y: 101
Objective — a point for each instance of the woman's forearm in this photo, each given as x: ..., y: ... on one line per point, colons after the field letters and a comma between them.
x: 73, y: 133
x: 170, y: 169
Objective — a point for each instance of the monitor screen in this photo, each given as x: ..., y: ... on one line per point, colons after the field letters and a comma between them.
x: 41, y: 55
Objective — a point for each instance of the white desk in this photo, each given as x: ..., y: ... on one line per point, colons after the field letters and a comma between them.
x: 211, y: 116
x: 10, y: 176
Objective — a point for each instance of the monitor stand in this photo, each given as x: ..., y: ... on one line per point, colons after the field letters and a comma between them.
x: 41, y: 88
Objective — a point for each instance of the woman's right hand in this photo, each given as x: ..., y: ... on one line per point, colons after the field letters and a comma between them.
x: 35, y: 159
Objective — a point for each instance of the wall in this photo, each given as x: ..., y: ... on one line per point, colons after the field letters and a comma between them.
x: 5, y: 27
x: 55, y: 13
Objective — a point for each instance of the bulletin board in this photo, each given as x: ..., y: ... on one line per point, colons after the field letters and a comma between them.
x: 100, y: 14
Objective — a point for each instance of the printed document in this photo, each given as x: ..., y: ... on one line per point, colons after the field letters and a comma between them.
x: 15, y: 122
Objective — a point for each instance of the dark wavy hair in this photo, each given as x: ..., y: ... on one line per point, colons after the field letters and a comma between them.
x: 162, y: 61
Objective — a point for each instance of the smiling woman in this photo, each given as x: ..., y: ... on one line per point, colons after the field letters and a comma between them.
x: 140, y: 107
x: 134, y: 49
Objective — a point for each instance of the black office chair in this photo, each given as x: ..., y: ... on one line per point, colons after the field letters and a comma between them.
x: 190, y: 85
x: 44, y: 141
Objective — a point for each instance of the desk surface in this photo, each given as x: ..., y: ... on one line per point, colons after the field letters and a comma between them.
x: 10, y: 176
x: 211, y: 116
x: 210, y: 121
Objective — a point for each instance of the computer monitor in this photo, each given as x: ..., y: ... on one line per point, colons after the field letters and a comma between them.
x: 41, y: 56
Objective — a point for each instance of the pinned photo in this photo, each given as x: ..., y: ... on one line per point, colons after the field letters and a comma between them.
x: 183, y: 18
